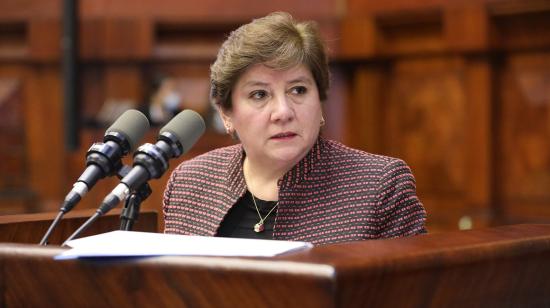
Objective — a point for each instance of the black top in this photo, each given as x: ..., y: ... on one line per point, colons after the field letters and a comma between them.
x: 241, y: 218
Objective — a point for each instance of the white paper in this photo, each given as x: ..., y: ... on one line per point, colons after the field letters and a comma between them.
x: 132, y: 243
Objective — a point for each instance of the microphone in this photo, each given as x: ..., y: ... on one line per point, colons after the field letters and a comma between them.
x: 151, y: 160
x: 105, y: 158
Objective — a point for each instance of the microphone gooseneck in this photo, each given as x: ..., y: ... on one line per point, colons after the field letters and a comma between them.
x: 104, y: 159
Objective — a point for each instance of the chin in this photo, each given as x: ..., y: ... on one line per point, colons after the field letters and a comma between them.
x: 288, y: 155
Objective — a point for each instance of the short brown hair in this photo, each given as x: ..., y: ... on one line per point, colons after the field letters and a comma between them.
x: 276, y: 40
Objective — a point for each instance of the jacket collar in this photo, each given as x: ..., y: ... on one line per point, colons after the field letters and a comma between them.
x: 300, y: 171
x: 235, y: 176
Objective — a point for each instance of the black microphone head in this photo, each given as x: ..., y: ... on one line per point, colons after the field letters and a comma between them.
x: 132, y: 124
x: 187, y: 126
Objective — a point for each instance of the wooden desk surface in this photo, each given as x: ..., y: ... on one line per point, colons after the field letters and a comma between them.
x: 498, y: 267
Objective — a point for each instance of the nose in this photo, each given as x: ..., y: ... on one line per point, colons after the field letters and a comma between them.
x: 283, y: 109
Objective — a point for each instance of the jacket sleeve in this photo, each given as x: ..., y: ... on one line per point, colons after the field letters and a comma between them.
x: 400, y: 212
x: 167, y: 204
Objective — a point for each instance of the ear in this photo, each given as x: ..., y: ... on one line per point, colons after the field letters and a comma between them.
x: 225, y: 115
x: 226, y: 118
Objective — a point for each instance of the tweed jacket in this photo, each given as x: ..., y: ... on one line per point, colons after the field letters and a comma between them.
x: 334, y: 194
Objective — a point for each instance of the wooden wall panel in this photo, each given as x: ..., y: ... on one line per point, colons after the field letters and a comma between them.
x: 180, y: 39
x: 91, y: 38
x: 13, y: 161
x: 424, y: 121
x: 12, y: 134
x: 44, y: 126
x: 466, y: 27
x: 359, y: 37
x: 123, y: 82
x: 92, y: 81
x: 524, y: 125
x: 364, y: 109
x: 393, y: 34
x: 360, y: 7
x: 431, y: 112
x: 520, y: 24
x: 335, y: 109
x: 127, y: 39
x: 411, y: 32
x: 15, y: 194
x: 14, y: 39
x: 424, y: 124
x: 44, y: 39
x: 479, y: 147
x: 203, y: 10
x: 29, y: 9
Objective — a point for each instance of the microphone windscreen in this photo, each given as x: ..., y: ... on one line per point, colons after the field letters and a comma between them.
x: 187, y: 126
x: 132, y: 124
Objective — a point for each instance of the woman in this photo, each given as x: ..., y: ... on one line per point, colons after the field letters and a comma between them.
x: 284, y: 181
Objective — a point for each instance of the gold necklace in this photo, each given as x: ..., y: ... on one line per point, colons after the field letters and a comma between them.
x: 259, y: 227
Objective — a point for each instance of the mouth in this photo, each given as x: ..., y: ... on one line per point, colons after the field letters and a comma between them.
x: 284, y: 135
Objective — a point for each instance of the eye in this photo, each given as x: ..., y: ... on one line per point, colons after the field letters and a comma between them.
x: 298, y: 90
x: 258, y: 94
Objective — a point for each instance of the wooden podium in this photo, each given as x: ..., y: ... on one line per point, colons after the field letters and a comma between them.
x: 30, y: 228
x: 506, y: 266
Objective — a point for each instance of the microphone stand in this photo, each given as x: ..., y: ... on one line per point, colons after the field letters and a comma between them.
x: 121, y: 172
x: 128, y: 216
x: 132, y: 205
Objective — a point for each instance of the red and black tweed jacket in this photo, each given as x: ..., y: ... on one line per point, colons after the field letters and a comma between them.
x: 334, y: 194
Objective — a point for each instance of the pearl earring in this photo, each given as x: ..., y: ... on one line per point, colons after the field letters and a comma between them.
x: 228, y: 129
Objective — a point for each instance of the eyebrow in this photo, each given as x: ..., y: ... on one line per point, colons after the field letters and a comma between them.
x: 255, y: 83
x: 303, y: 79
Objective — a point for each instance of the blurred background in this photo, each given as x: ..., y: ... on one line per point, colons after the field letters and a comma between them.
x: 458, y: 89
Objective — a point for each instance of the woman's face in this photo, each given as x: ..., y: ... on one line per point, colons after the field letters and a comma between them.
x: 276, y: 113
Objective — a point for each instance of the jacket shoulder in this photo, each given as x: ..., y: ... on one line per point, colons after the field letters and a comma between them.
x: 339, y: 154
x: 217, y: 158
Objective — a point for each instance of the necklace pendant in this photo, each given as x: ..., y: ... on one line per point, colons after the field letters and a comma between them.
x: 259, y: 227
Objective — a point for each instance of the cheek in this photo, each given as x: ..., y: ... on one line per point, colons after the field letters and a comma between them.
x: 238, y: 114
x: 314, y: 114
x: 248, y: 122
